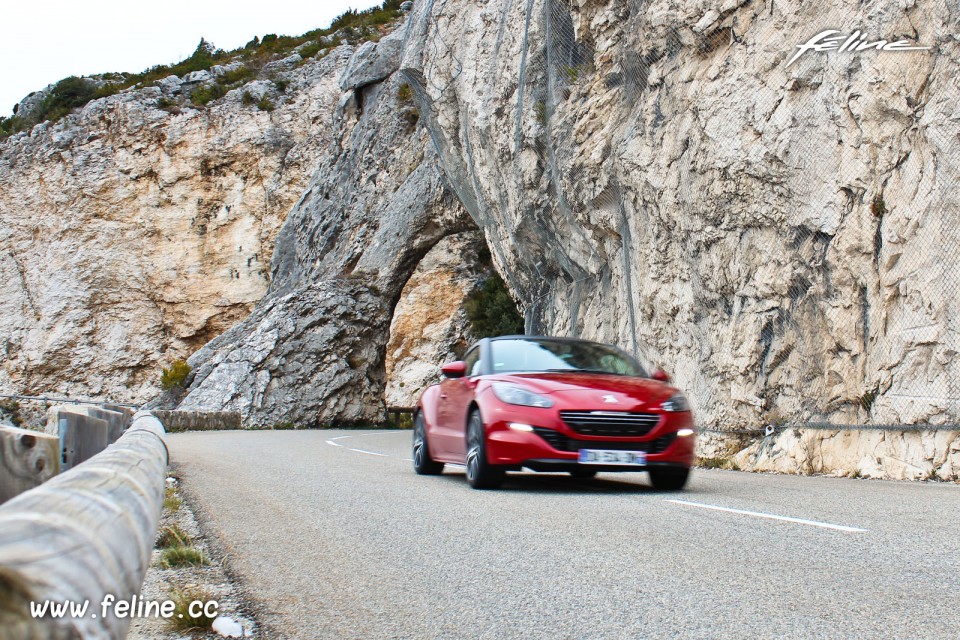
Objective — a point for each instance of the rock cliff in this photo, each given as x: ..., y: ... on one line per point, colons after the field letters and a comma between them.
x: 314, y: 350
x: 653, y: 174
x: 131, y: 235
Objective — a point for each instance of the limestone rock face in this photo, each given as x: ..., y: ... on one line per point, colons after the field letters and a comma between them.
x: 130, y: 236
x: 897, y: 455
x: 304, y: 349
x: 429, y: 325
x: 782, y: 239
x: 313, y: 352
x: 373, y: 61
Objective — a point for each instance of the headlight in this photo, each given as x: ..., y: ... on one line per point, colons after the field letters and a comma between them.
x: 677, y: 403
x: 512, y: 394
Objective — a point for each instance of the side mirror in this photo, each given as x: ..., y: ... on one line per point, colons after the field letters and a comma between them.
x: 454, y: 369
x: 661, y: 375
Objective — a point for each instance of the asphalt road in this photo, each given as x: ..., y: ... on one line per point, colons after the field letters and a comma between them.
x: 334, y: 536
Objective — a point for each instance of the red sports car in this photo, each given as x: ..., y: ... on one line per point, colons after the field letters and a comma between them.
x: 552, y: 404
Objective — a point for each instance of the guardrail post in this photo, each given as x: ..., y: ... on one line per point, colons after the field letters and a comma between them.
x: 27, y: 459
x: 81, y: 436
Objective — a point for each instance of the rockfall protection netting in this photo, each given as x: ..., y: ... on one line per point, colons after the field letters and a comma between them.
x: 794, y: 226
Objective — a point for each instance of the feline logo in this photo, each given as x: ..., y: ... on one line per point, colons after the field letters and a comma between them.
x: 833, y: 40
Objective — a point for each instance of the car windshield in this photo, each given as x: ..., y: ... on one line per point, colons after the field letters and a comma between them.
x: 516, y: 354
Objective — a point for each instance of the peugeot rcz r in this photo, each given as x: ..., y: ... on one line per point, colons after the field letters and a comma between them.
x: 552, y: 404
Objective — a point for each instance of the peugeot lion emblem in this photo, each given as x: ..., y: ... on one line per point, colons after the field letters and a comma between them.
x: 611, y: 399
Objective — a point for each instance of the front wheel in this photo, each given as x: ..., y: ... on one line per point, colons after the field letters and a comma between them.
x: 480, y: 473
x: 669, y: 478
x: 422, y: 462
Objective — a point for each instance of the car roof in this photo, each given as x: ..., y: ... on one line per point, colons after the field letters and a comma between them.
x: 556, y: 338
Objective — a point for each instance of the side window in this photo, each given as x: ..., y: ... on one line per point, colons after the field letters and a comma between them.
x: 473, y: 362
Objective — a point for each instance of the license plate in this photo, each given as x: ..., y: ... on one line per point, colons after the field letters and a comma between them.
x: 604, y: 456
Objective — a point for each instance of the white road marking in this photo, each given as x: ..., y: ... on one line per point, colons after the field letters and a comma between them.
x: 371, y: 453
x: 757, y: 514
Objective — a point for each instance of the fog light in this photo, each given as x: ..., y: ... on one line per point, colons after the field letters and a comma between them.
x: 519, y: 426
x: 685, y: 432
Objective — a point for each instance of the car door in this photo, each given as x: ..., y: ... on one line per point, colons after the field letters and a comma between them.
x: 455, y: 396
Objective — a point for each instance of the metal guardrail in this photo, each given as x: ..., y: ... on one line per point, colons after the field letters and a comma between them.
x: 68, y: 401
x: 829, y: 426
x: 395, y: 415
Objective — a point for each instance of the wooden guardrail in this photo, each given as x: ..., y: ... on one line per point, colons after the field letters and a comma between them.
x: 82, y: 535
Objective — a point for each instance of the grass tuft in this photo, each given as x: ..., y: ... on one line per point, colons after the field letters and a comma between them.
x: 182, y: 556
x: 182, y: 598
x: 171, y: 501
x: 173, y: 536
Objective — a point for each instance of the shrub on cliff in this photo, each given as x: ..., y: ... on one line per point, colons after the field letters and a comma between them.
x: 207, y: 93
x: 492, y: 311
x: 174, y: 375
x: 68, y: 94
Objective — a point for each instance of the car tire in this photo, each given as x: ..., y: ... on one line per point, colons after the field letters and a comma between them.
x: 423, y: 464
x: 583, y: 474
x: 480, y: 473
x: 669, y: 478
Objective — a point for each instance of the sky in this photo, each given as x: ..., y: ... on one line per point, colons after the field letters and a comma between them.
x: 45, y: 42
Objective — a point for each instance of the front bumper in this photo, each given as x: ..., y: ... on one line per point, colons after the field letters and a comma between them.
x: 555, y: 446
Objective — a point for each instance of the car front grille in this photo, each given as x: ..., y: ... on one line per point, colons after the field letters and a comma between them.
x: 562, y: 442
x: 621, y: 424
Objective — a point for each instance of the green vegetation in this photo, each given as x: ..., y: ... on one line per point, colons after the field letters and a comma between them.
x: 72, y: 93
x: 182, y: 618
x: 173, y: 536
x: 314, y: 48
x: 182, y: 556
x: 175, y: 375
x: 265, y: 104
x: 407, y: 110
x: 878, y: 207
x: 237, y: 76
x: 168, y: 105
x: 247, y: 99
x: 171, y: 501
x: 573, y: 72
x: 375, y: 16
x: 492, y: 311
x: 207, y: 93
x: 540, y: 111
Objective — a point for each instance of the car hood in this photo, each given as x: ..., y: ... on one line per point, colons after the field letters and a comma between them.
x: 593, y: 387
